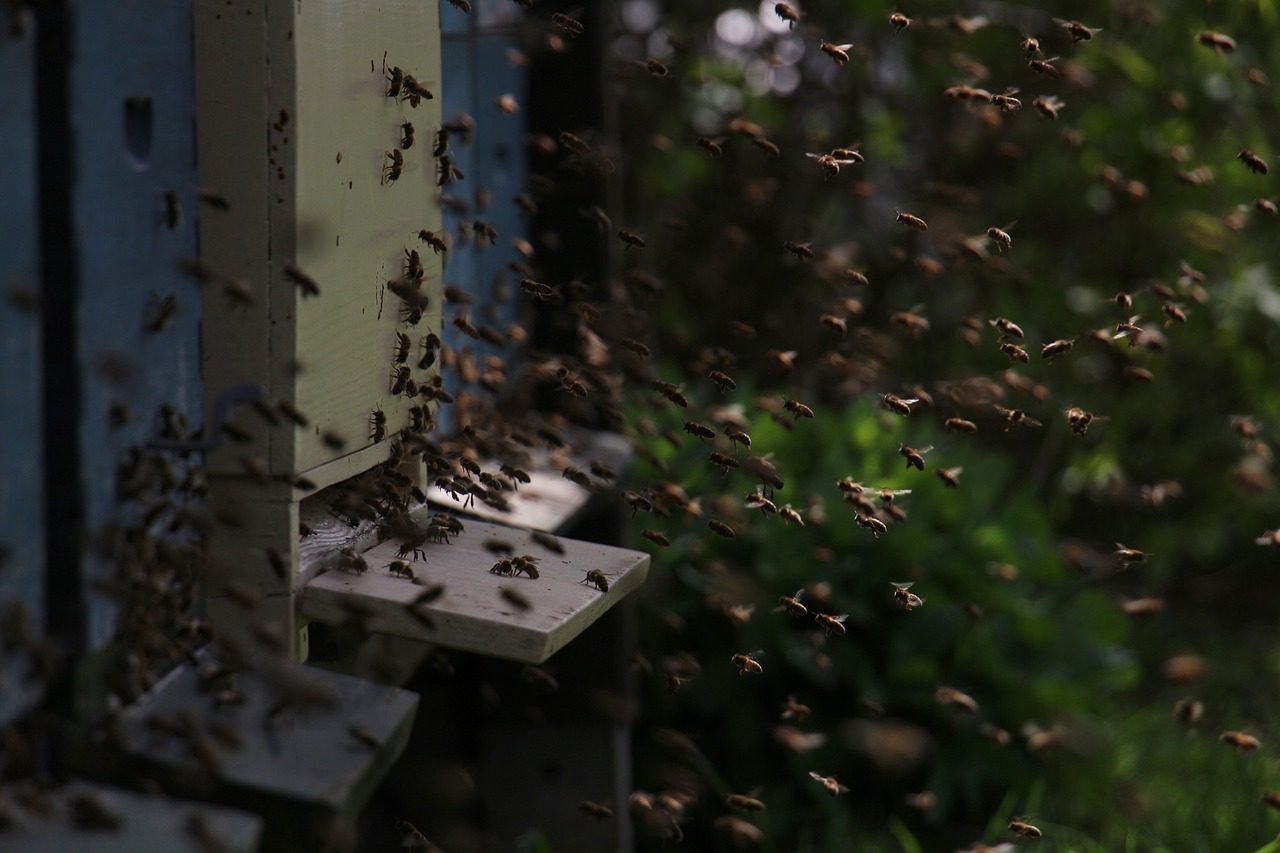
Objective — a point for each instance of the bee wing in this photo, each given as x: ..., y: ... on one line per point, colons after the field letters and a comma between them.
x: 1009, y: 227
x: 814, y: 156
x: 902, y: 586
x: 1009, y: 92
x: 840, y: 618
x: 1002, y: 410
x: 1027, y: 420
x: 924, y: 450
x: 1062, y: 23
x: 799, y: 592
x: 910, y: 401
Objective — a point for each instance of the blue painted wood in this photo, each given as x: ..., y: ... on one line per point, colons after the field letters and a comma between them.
x: 21, y: 445
x: 133, y: 129
x: 453, y: 21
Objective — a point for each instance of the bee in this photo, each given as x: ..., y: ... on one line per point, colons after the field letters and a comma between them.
x: 907, y: 599
x: 1079, y: 419
x: 722, y: 461
x: 305, y: 283
x: 875, y: 525
x: 1270, y: 798
x: 637, y: 502
x: 630, y: 238
x: 1266, y: 205
x: 1009, y: 104
x: 1053, y: 349
x: 525, y: 564
x: 914, y: 455
x: 406, y: 136
x: 956, y: 700
x: 1015, y: 417
x: 832, y: 164
x: 714, y: 147
x: 569, y: 24
x: 747, y: 803
x: 596, y: 578
x: 958, y: 424
x: 364, y: 736
x: 1002, y: 239
x: 797, y: 409
x: 656, y: 68
x: 1030, y: 45
x: 911, y: 221
x: 1019, y: 826
x: 395, y: 78
x: 435, y: 241
x: 516, y: 475
x: 1049, y: 106
x: 766, y: 146
x: 793, y: 710
x: 656, y: 538
x: 830, y: 783
x: 350, y: 561
x: 1268, y: 537
x: 803, y: 251
x: 1045, y: 67
x: 949, y: 476
x: 790, y: 515
x: 737, y: 435
x: 723, y: 381
x: 391, y: 171
x: 839, y: 53
x: 899, y: 21
x: 831, y: 624
x: 788, y: 13
x: 720, y: 528
x: 598, y: 811
x: 1078, y: 31
x: 747, y: 662
x: 378, y: 425
x: 401, y: 569
x: 792, y: 604
x: 1252, y: 161
x: 415, y: 92
x: 1219, y: 42
x: 515, y: 599
x: 898, y: 405
x: 1129, y: 556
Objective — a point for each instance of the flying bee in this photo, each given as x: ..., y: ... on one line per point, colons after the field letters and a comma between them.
x: 788, y: 13
x: 803, y: 251
x: 1252, y: 161
x: 569, y: 24
x: 722, y: 461
x: 899, y: 21
x: 1266, y: 205
x: 1079, y: 419
x: 956, y: 699
x: 958, y: 424
x: 159, y: 312
x: 1045, y: 67
x: 391, y: 171
x: 766, y: 146
x: 1270, y: 798
x: 907, y: 599
x: 1128, y: 556
x: 599, y: 811
x: 747, y: 803
x: 1053, y: 349
x: 596, y: 578
x: 831, y: 624
x: 830, y: 783
x: 914, y: 455
x: 797, y: 409
x: 1219, y: 42
x: 831, y: 164
x: 515, y: 599
x: 656, y: 538
x: 792, y: 604
x: 1001, y: 238
x: 1240, y: 740
x: 747, y: 662
x: 911, y: 221
x: 898, y: 405
x: 839, y: 53
x: 875, y: 525
x: 401, y: 569
x: 1026, y: 830
x: 714, y: 147
x: 722, y: 380
x: 1030, y: 46
x: 1015, y: 417
x: 790, y: 515
x: 949, y: 476
x: 793, y: 710
x: 406, y: 136
x: 1009, y: 104
x: 630, y: 238
x: 1015, y: 352
x: 737, y: 435
x: 757, y: 500
x: 1007, y: 328
x: 539, y: 291
x: 1049, y: 106
x: 720, y: 528
x: 1078, y: 31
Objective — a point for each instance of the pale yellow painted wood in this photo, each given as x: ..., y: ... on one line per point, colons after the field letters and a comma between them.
x: 471, y: 614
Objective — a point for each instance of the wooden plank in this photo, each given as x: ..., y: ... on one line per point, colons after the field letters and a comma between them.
x: 303, y: 757
x: 21, y: 451
x: 549, y: 502
x: 148, y: 824
x: 472, y: 614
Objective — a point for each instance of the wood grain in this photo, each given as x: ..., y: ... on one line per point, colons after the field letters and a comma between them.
x: 471, y: 614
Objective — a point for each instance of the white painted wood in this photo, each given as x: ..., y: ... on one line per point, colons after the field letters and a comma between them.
x: 471, y: 614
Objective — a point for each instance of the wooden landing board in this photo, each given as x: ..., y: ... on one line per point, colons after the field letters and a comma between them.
x: 307, y: 757
x: 550, y: 502
x: 472, y: 615
x: 147, y: 825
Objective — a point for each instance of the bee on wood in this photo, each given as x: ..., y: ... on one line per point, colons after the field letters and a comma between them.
x: 401, y: 569
x: 1045, y: 67
x: 525, y: 564
x: 569, y: 24
x: 599, y: 811
x: 899, y: 22
x: 1053, y: 349
x: 391, y: 171
x: 911, y: 221
x: 908, y: 600
x: 1252, y: 161
x: 400, y: 380
x: 406, y: 135
x: 1128, y: 556
x: 415, y: 92
x: 747, y: 663
x: 803, y: 251
x: 829, y: 783
x: 394, y: 76
x: 596, y: 578
x: 720, y: 528
x: 1078, y: 31
x: 378, y: 425
x: 656, y: 538
x: 1219, y: 42
x: 839, y: 53
x: 831, y: 624
x: 914, y: 455
x: 1019, y: 826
